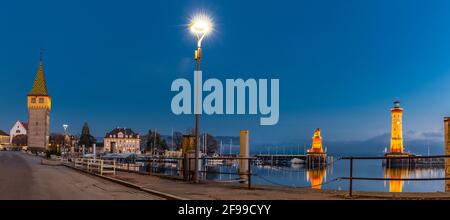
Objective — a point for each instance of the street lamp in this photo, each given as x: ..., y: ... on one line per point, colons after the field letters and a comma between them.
x: 65, y: 126
x: 201, y: 25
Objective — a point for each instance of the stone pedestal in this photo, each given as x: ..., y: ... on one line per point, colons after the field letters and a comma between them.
x: 188, y: 147
x: 316, y: 160
x: 447, y: 152
x: 244, y: 153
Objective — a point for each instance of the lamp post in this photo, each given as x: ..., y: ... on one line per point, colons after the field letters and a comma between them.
x: 200, y: 26
x: 64, y: 148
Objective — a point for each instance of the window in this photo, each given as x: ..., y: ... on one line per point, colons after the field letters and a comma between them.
x: 37, y: 123
x: 17, y: 131
x: 33, y: 100
x: 41, y: 100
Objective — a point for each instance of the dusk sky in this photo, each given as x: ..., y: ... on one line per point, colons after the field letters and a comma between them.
x: 111, y: 63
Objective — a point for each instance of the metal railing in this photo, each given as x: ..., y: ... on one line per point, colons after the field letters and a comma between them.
x: 183, y: 168
x: 99, y: 165
x: 388, y: 162
x: 244, y: 170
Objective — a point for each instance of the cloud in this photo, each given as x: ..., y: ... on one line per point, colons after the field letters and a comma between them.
x: 435, y: 134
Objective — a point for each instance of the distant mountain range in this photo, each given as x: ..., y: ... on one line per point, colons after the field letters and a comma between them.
x: 432, y: 144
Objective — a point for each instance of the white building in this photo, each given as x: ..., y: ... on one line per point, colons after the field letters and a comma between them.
x: 19, y: 128
x: 122, y: 140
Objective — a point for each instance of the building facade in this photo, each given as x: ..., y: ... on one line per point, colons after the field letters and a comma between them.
x: 39, y: 105
x: 4, y: 138
x: 122, y: 140
x: 19, y: 128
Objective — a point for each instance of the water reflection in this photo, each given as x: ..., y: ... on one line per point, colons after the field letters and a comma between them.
x: 297, y: 175
x: 396, y: 173
x: 413, y: 173
x: 316, y: 177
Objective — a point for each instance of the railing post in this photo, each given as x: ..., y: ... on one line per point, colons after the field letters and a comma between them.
x: 189, y: 169
x: 101, y: 167
x: 249, y: 173
x: 351, y: 177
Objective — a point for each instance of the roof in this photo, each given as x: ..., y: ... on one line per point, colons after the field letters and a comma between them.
x: 39, y: 85
x: 125, y: 131
x: 25, y: 125
x: 2, y: 133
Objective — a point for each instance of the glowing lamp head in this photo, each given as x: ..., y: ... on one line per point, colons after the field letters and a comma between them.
x: 201, y: 25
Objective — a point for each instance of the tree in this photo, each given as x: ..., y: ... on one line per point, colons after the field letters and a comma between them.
x: 20, y: 140
x: 56, y: 142
x: 155, y: 143
x: 86, y: 138
x: 177, y: 138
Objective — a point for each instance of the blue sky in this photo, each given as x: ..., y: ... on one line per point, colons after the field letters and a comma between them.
x: 340, y: 63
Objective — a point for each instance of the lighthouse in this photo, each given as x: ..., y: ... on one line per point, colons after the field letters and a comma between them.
x: 397, y: 157
x: 397, y: 129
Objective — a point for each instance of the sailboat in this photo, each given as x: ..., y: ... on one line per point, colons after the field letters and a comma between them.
x: 297, y: 161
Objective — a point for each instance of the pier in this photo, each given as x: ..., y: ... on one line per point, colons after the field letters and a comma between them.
x: 411, y: 161
x: 279, y: 159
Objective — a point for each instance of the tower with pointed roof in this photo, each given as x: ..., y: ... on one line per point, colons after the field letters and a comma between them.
x: 39, y: 105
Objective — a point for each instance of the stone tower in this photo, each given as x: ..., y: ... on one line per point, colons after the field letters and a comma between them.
x: 39, y: 105
x: 397, y: 129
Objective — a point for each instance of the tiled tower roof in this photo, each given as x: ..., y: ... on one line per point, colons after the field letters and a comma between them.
x: 39, y: 86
